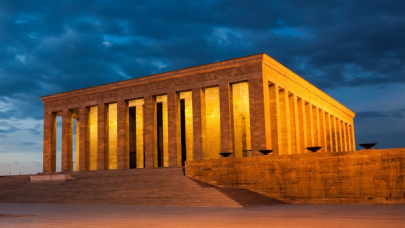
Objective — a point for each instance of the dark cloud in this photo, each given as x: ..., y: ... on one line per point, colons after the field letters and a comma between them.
x: 48, y: 47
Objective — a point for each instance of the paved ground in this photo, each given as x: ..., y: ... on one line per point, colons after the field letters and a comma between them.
x: 52, y: 215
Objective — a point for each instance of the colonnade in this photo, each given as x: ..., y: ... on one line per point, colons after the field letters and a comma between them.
x: 297, y: 124
x: 163, y: 130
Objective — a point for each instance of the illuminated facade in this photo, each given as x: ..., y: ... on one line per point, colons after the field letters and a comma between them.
x: 239, y: 105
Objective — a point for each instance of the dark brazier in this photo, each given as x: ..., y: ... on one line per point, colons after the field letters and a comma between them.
x: 314, y: 149
x: 367, y: 145
x: 265, y: 152
x: 225, y: 154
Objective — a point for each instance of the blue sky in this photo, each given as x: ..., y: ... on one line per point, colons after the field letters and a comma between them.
x: 352, y: 50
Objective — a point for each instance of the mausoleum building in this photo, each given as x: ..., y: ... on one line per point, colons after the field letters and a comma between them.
x: 239, y: 106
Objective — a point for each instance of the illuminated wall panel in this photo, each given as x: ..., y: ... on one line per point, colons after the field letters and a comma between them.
x: 187, y: 96
x: 93, y: 137
x: 212, y: 121
x: 112, y: 135
x: 139, y: 131
x: 241, y: 118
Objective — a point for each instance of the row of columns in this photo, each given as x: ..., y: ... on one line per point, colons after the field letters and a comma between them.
x: 297, y: 124
x: 150, y: 142
x: 279, y: 120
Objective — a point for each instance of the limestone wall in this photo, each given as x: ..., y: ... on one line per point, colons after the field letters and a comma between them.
x: 365, y: 176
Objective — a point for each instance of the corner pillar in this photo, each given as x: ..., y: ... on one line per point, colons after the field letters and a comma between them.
x: 259, y: 108
x: 49, y: 147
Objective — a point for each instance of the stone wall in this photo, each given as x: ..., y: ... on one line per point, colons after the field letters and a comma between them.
x: 359, y: 177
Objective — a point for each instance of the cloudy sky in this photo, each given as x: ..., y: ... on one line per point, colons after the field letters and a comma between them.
x: 352, y: 50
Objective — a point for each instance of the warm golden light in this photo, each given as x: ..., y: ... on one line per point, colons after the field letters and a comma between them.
x: 187, y: 96
x: 138, y: 104
x: 213, y: 131
x: 112, y: 135
x: 92, y: 129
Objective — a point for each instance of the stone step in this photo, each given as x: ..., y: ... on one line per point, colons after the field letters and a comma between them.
x: 163, y: 186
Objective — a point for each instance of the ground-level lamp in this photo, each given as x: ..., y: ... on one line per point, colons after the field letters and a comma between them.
x: 265, y: 152
x: 314, y: 149
x: 367, y: 145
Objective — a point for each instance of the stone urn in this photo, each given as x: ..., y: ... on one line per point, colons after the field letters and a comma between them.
x: 314, y: 149
x: 265, y: 152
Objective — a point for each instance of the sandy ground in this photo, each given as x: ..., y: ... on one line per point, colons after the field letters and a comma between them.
x: 287, y: 215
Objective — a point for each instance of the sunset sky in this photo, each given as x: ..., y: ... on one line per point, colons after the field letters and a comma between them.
x: 352, y: 50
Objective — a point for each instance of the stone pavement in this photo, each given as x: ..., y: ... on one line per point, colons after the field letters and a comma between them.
x: 281, y: 215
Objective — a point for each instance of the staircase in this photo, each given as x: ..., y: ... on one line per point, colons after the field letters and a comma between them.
x: 158, y: 187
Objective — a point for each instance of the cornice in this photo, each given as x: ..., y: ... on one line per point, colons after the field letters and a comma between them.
x: 157, y: 77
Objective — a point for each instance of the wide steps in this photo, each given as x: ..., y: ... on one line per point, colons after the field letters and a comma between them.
x: 163, y: 187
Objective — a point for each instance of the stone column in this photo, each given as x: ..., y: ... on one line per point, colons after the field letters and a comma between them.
x: 309, y: 124
x: 285, y: 122
x: 274, y: 101
x: 49, y: 156
x: 123, y: 135
x: 67, y: 140
x: 328, y: 131
x: 84, y: 153
x: 322, y: 128
x: 352, y: 136
x: 348, y: 139
x: 199, y: 127
x: 226, y: 118
x: 140, y: 136
x: 150, y: 130
x: 335, y: 135
x: 259, y: 108
x: 339, y: 135
x: 173, y: 105
x: 316, y: 131
x: 344, y: 136
x: 302, y: 126
x: 102, y: 134
x: 294, y: 123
